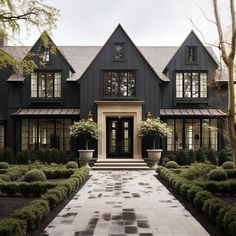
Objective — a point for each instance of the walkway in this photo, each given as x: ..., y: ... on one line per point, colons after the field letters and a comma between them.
x: 119, y: 203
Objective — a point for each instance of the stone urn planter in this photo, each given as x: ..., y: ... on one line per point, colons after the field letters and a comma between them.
x: 85, y: 156
x: 154, y: 155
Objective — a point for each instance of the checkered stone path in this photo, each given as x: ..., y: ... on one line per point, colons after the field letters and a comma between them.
x: 119, y: 203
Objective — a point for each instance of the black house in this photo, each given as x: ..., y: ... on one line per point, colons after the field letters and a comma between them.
x: 119, y: 83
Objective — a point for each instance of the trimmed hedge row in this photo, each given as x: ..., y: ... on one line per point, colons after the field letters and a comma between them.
x: 58, y: 173
x: 14, y: 173
x: 220, y: 213
x: 29, y: 217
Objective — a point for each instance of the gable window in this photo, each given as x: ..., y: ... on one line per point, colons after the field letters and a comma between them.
x: 191, y: 54
x: 119, y: 84
x: 46, y: 84
x: 191, y: 85
x: 45, y: 54
x: 119, y: 51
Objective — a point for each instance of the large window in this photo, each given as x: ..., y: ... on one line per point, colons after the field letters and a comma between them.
x: 192, y: 134
x: 191, y: 85
x: 2, y: 136
x: 50, y: 133
x: 46, y: 84
x: 119, y: 84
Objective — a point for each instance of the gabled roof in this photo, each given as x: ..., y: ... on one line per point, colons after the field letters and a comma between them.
x: 208, y: 50
x: 80, y: 57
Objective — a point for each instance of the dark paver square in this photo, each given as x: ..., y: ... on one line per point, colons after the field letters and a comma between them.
x: 128, y: 215
x: 131, y: 230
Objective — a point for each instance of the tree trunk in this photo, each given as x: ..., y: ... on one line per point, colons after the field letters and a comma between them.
x: 231, y: 112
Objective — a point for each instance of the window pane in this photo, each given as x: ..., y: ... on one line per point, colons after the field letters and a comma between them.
x: 107, y: 84
x: 34, y: 85
x: 188, y: 134
x: 67, y: 137
x: 170, y: 136
x: 213, y: 134
x: 203, y: 85
x: 24, y: 134
x: 2, y: 136
x: 57, y: 85
x: 49, y: 86
x: 205, y: 133
x: 32, y: 134
x: 131, y: 85
x: 196, y: 134
x: 123, y: 84
x: 195, y: 85
x: 42, y: 85
x: 179, y: 134
x: 119, y: 51
x: 179, y: 85
x: 59, y: 134
x: 187, y: 85
x: 115, y: 84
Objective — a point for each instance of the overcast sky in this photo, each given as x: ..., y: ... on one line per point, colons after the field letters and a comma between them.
x: 147, y: 22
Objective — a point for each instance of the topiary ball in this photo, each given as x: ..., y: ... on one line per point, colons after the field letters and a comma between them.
x: 35, y: 175
x: 228, y: 165
x: 4, y: 165
x: 171, y: 164
x: 217, y: 175
x: 71, y: 165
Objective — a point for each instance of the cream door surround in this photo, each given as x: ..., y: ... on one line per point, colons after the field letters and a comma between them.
x: 131, y: 109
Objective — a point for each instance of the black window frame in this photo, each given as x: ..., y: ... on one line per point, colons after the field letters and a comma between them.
x: 190, y: 52
x: 37, y: 73
x: 119, y: 81
x: 199, y: 85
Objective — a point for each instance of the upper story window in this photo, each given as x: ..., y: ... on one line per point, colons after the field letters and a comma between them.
x: 45, y: 54
x: 191, y: 85
x: 119, y: 84
x: 46, y: 84
x: 119, y: 51
x: 191, y: 54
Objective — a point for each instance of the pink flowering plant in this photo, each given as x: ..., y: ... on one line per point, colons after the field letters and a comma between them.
x: 152, y: 128
x: 86, y: 129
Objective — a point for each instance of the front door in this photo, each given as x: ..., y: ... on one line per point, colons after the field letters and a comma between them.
x: 119, y: 137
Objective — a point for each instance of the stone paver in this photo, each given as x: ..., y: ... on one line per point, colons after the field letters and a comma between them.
x: 119, y: 203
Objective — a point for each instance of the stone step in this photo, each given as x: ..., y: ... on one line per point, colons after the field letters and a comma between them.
x: 120, y: 168
x: 121, y: 160
x: 120, y: 164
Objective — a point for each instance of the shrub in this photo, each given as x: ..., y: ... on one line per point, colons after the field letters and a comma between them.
x: 197, y: 170
x: 222, y: 157
x: 72, y: 156
x: 5, y: 178
x: 71, y: 165
x: 182, y: 158
x: 9, y: 188
x: 228, y: 165
x: 184, y: 188
x: 191, y: 193
x: 200, y: 157
x: 4, y: 165
x: 229, y: 218
x: 217, y: 175
x: 11, y: 226
x: 8, y: 155
x: 171, y: 164
x: 231, y: 173
x: 212, y: 157
x: 201, y: 197
x: 62, y: 156
x: 35, y: 175
x: 220, y: 217
x: 23, y: 157
x: 54, y: 155
x: 191, y: 156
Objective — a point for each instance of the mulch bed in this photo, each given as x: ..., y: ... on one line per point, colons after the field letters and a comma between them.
x: 211, y: 229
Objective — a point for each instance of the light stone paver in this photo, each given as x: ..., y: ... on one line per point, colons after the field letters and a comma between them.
x: 119, y: 203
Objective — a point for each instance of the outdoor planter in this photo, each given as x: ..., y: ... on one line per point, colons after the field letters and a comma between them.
x: 154, y: 155
x: 87, y: 129
x: 153, y: 127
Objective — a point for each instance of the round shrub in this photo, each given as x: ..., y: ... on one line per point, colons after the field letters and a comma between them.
x: 212, y: 157
x: 217, y: 175
x: 35, y: 175
x: 171, y: 164
x: 201, y: 197
x: 222, y: 157
x: 191, y: 156
x: 200, y: 157
x: 71, y: 165
x: 182, y: 158
x: 4, y: 165
x: 228, y: 165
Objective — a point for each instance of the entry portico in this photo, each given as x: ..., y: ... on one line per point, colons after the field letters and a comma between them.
x: 119, y: 109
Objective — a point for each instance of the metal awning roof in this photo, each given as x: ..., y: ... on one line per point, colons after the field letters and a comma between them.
x: 192, y: 112
x: 16, y: 78
x: 47, y: 112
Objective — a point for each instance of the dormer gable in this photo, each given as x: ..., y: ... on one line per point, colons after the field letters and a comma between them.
x: 192, y: 55
x: 46, y: 55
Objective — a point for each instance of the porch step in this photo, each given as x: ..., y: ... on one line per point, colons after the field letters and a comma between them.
x: 120, y: 164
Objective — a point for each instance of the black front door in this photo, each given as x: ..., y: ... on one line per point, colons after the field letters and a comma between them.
x: 120, y: 137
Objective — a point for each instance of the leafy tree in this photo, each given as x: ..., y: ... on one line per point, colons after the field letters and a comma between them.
x: 18, y: 14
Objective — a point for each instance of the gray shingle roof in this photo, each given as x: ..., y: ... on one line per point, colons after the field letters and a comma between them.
x: 80, y: 57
